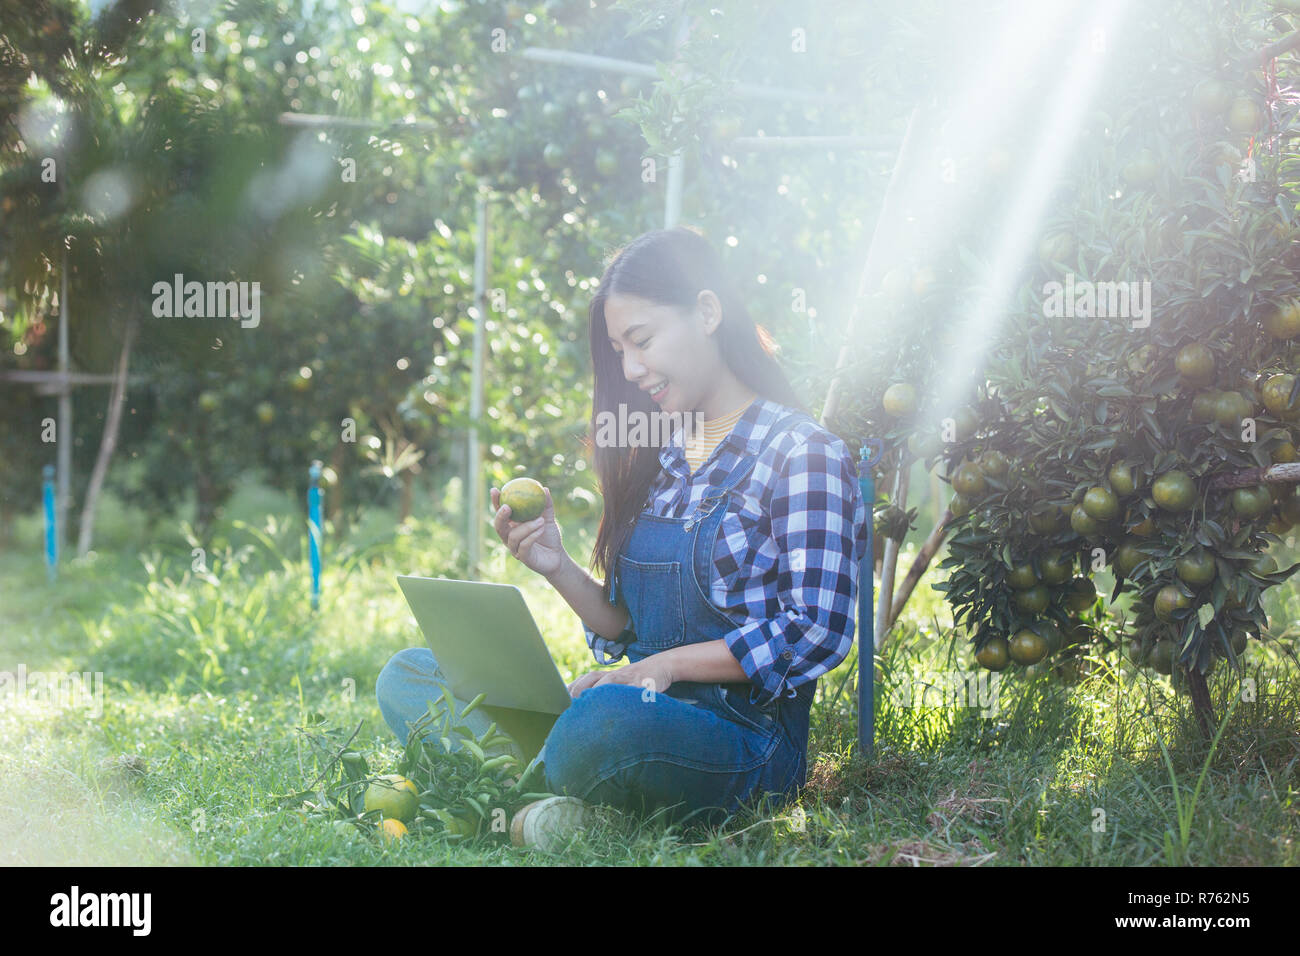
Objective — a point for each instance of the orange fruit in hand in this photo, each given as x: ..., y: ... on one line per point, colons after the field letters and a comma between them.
x: 526, y: 498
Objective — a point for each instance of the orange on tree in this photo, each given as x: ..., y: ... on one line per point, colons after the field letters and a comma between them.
x: 1174, y: 491
x: 1084, y: 523
x: 1138, y: 650
x: 1283, y: 320
x: 1142, y: 168
x: 1081, y: 595
x: 1078, y: 405
x: 1046, y: 522
x: 1212, y: 97
x: 1168, y: 600
x: 1121, y: 479
x: 1056, y: 568
x: 1276, y: 395
x: 1244, y: 115
x: 1048, y: 630
x: 1252, y: 502
x: 1195, y: 364
x: 1197, y: 567
x: 924, y: 444
x: 1202, y: 408
x: 1161, y: 658
x: 1033, y: 600
x: 1228, y: 408
x: 995, y: 654
x: 994, y: 463
x: 899, y: 400
x: 968, y: 481
x: 1101, y: 504
x: 1027, y: 647
x: 1127, y: 558
x: 1022, y: 576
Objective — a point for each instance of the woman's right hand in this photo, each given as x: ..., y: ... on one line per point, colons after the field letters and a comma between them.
x: 536, y: 543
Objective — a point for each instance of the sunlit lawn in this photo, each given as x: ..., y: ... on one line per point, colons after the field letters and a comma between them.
x: 207, y: 678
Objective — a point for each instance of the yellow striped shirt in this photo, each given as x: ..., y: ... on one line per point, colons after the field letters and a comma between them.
x: 701, y: 445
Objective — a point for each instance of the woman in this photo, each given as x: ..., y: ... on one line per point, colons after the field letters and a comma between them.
x: 730, y: 560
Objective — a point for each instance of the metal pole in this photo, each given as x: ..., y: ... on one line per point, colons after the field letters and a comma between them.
x: 866, y: 593
x: 673, y: 196
x: 474, y: 464
x: 314, y: 530
x: 609, y: 64
x: 889, y: 565
x: 63, y: 441
x: 676, y: 161
x: 51, y: 523
x: 884, y: 144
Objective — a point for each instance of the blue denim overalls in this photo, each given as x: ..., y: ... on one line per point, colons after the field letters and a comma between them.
x: 663, y: 575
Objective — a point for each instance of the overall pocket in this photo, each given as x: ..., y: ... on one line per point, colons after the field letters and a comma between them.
x: 653, y: 593
x: 734, y: 701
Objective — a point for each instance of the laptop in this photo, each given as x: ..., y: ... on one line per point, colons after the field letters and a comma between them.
x: 487, y: 642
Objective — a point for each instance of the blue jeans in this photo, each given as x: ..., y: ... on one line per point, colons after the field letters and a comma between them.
x: 698, y: 752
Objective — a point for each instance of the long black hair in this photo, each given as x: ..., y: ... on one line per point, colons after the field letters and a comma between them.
x: 666, y: 267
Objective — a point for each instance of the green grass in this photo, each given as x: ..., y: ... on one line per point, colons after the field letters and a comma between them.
x: 210, y: 674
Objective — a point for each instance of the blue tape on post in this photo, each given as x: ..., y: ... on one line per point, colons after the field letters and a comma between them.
x: 314, y: 531
x: 866, y: 595
x: 51, y: 523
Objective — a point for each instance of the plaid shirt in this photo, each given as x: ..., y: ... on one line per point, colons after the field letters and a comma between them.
x: 785, y: 563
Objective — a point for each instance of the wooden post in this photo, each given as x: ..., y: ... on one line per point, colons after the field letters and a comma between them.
x: 923, y: 559
x: 1283, y: 474
x: 890, y: 565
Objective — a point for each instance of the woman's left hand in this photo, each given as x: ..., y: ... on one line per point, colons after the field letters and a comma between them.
x: 654, y: 674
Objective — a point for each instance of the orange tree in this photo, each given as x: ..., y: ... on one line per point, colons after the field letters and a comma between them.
x: 1099, y: 439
